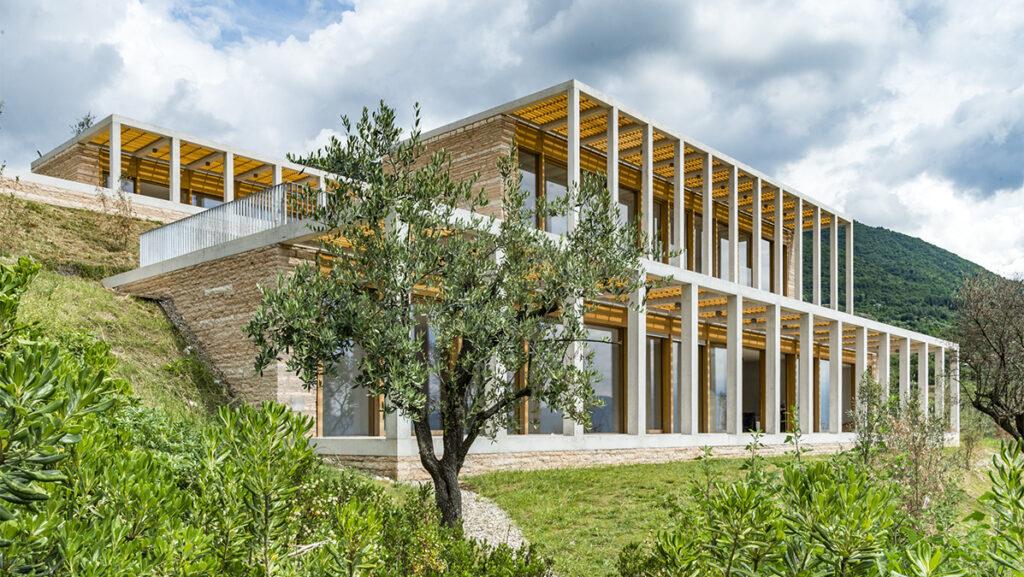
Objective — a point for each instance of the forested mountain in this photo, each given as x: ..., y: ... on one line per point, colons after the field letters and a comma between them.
x: 899, y: 279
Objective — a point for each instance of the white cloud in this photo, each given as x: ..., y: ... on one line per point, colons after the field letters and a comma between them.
x: 905, y: 114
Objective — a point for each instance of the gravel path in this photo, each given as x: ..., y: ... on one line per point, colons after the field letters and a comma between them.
x: 483, y: 519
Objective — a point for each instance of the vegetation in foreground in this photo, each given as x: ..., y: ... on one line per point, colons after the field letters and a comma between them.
x: 93, y: 484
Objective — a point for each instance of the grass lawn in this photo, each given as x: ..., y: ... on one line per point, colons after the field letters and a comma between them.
x: 76, y: 249
x: 582, y: 518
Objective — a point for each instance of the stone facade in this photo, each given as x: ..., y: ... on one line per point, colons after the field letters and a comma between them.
x: 408, y: 468
x: 79, y: 163
x: 475, y: 150
x: 213, y: 301
x: 79, y: 196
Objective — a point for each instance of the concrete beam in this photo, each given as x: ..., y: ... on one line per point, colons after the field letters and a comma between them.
x: 755, y: 249
x: 835, y: 371
x: 772, y: 371
x: 805, y: 387
x: 734, y: 367
x: 689, y: 374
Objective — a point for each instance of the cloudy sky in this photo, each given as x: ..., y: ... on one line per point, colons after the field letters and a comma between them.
x: 908, y: 115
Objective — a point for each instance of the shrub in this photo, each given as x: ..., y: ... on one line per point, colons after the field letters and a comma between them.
x: 92, y: 484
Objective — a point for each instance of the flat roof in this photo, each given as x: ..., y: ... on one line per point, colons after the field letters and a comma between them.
x: 547, y: 110
x: 150, y: 141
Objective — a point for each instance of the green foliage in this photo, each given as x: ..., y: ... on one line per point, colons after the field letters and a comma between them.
x: 94, y: 485
x: 408, y: 247
x: 837, y: 517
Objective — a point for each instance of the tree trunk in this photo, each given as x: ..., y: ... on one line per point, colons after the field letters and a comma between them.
x: 447, y: 493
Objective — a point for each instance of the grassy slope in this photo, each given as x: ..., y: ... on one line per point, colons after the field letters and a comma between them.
x: 77, y: 248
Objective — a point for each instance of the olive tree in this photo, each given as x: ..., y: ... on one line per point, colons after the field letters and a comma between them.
x: 406, y: 246
x: 990, y: 326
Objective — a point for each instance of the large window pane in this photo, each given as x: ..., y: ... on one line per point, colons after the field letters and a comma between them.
x: 605, y: 344
x: 824, y: 393
x: 698, y: 242
x: 677, y: 380
x: 528, y: 172
x: 544, y: 420
x: 655, y: 406
x: 767, y: 280
x: 555, y: 183
x: 346, y: 407
x: 431, y: 388
x: 723, y: 252
x: 716, y: 399
x: 752, y: 390
x: 627, y: 205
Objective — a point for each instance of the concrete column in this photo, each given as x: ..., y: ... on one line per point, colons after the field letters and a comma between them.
x: 277, y: 175
x: 734, y: 226
x: 647, y: 190
x: 114, y: 180
x: 708, y: 221
x: 612, y: 167
x: 573, y: 148
x: 798, y: 250
x: 175, y: 169
x: 755, y: 249
x: 636, y: 367
x: 922, y: 377
x: 849, y: 267
x: 805, y: 392
x: 904, y: 371
x: 397, y: 426
x: 882, y: 364
x: 734, y: 365
x: 679, y: 202
x: 835, y: 371
x: 940, y: 386
x: 229, y: 177
x: 860, y: 363
x: 833, y: 264
x: 777, y: 272
x: 689, y: 375
x: 772, y: 366
x: 816, y: 256
x: 954, y: 400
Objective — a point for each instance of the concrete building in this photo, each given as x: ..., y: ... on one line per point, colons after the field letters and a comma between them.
x: 725, y: 348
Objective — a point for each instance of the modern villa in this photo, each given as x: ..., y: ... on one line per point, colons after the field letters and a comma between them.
x: 726, y: 345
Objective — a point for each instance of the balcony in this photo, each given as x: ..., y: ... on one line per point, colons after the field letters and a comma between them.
x: 271, y: 208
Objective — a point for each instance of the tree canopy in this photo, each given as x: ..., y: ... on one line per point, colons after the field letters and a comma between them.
x: 408, y: 255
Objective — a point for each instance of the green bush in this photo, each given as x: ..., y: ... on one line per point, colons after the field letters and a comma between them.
x: 92, y: 484
x: 834, y: 517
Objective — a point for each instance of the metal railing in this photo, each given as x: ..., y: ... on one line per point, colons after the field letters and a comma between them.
x: 264, y: 210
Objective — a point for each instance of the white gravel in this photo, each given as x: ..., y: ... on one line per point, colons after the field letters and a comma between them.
x: 483, y: 519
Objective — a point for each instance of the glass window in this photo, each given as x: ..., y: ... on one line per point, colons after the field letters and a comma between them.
x: 544, y: 420
x: 767, y: 280
x: 849, y: 398
x: 346, y: 407
x: 718, y: 390
x: 698, y: 242
x: 606, y: 346
x: 677, y: 397
x: 744, y: 257
x: 723, y: 252
x: 431, y: 388
x: 752, y: 390
x: 655, y: 406
x: 528, y: 172
x: 555, y: 188
x: 661, y: 245
x: 627, y: 205
x: 824, y: 394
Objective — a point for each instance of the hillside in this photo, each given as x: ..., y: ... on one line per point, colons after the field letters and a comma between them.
x: 77, y: 248
x: 899, y: 279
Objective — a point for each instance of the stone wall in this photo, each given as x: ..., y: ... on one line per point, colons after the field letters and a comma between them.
x: 213, y: 301
x: 79, y: 163
x: 476, y: 149
x: 78, y: 196
x: 409, y: 468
